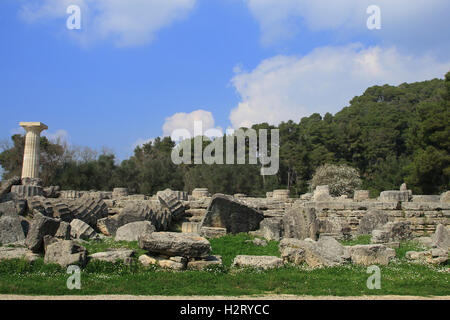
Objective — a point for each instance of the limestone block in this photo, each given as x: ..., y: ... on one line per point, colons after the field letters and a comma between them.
x: 26, y: 191
x: 394, y: 195
x: 281, y: 194
x: 200, y: 193
x: 234, y: 215
x: 361, y: 195
x: 119, y: 192
x: 132, y: 231
x: 370, y: 254
x: 445, y: 197
x: 212, y: 232
x: 258, y: 262
x: 175, y: 244
x: 204, y: 263
x: 65, y: 253
x: 114, y: 255
x: 190, y: 227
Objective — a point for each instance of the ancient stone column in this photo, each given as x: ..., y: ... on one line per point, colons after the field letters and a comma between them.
x: 30, y: 167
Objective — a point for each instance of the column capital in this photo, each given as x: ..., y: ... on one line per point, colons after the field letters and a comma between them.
x: 37, y: 127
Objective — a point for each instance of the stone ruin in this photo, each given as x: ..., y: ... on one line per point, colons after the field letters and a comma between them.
x: 38, y: 220
x: 54, y: 222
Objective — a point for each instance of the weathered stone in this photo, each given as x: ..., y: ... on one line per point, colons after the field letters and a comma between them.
x: 200, y: 193
x: 307, y: 196
x: 27, y: 191
x: 190, y: 227
x: 205, y: 263
x: 65, y: 253
x: 335, y: 227
x: 269, y: 194
x: 7, y: 253
x: 81, y: 230
x: 40, y: 227
x: 370, y: 254
x: 25, y: 223
x: 41, y: 205
x: 51, y: 192
x: 392, y: 231
x: 301, y: 222
x: 211, y: 233
x: 271, y: 228
x: 324, y: 252
x: 107, y: 226
x: 169, y: 199
x: 187, y: 245
x: 257, y: 262
x: 132, y: 231
x: 432, y: 256
x: 281, y: 194
x: 11, y: 229
x: 70, y: 194
x: 177, y: 264
x: 48, y: 240
x: 10, y: 208
x: 361, y: 195
x: 119, y: 192
x: 425, y: 241
x: 445, y: 197
x: 6, y: 185
x: 426, y: 198
x: 62, y: 211
x: 322, y: 193
x: 145, y: 211
x: 89, y: 209
x: 372, y: 220
x: 441, y: 237
x: 293, y: 255
x: 114, y: 255
x: 63, y: 231
x: 226, y: 212
x: 394, y: 195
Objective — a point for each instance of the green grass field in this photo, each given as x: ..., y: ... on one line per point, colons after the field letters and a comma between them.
x: 399, y: 278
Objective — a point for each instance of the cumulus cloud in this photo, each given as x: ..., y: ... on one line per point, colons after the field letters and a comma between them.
x: 414, y: 24
x: 140, y: 142
x: 127, y: 23
x: 59, y: 136
x: 291, y: 87
x: 186, y: 121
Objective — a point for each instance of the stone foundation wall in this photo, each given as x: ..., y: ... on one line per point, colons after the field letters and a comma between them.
x: 336, y: 215
x: 424, y: 216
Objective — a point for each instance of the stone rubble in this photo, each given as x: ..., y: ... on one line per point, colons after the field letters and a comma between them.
x: 47, y: 220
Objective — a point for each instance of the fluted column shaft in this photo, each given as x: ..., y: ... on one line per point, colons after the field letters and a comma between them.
x: 30, y: 167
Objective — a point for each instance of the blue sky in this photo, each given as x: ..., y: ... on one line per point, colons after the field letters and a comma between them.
x: 139, y: 69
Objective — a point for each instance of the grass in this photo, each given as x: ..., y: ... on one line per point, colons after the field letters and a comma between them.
x: 230, y: 246
x: 399, y: 278
x: 94, y: 246
x: 360, y: 239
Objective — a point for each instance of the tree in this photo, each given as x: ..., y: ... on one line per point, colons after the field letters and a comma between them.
x: 52, y: 157
x: 341, y: 179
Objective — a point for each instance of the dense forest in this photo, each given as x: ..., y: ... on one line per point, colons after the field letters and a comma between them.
x: 389, y: 134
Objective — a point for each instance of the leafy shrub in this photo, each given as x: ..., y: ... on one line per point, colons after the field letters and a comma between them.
x: 341, y: 179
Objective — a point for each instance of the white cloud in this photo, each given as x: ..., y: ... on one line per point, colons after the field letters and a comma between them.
x: 186, y: 121
x: 60, y: 136
x: 290, y: 87
x: 127, y: 23
x: 414, y: 24
x: 141, y: 141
